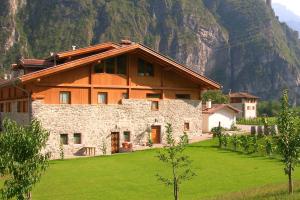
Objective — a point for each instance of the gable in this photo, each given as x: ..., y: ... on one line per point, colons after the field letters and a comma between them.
x: 207, y: 83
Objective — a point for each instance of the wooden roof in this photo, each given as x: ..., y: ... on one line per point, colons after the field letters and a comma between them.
x: 242, y: 95
x: 85, y: 50
x: 216, y: 107
x: 118, y: 50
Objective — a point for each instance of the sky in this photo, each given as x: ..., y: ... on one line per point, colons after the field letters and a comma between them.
x: 293, y: 5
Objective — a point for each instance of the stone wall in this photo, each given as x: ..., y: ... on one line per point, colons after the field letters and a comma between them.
x: 96, y: 122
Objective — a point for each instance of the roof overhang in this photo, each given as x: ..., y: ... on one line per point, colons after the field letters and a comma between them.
x: 208, y: 83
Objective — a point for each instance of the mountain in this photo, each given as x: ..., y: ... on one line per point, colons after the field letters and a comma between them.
x: 239, y: 43
x: 287, y: 16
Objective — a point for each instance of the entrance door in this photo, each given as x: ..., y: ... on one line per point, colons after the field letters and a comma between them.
x: 115, y: 142
x: 155, y: 134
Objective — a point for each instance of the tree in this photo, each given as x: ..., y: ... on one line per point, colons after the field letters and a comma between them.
x: 21, y: 159
x: 180, y: 164
x: 216, y: 96
x: 217, y: 132
x: 289, y: 140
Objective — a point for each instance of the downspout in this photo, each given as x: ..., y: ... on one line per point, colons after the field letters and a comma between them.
x: 28, y: 96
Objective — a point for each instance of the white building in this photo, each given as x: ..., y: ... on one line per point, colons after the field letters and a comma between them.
x: 223, y: 114
x: 245, y: 102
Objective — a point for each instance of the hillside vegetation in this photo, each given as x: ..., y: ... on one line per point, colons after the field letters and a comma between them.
x: 240, y: 43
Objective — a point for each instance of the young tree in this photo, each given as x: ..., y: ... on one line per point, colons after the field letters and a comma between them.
x: 289, y: 140
x: 180, y: 164
x: 217, y: 132
x: 21, y: 160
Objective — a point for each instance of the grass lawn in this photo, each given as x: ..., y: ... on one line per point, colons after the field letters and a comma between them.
x: 132, y: 176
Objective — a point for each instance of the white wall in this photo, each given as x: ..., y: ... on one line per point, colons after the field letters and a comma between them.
x: 226, y: 116
x: 250, y: 113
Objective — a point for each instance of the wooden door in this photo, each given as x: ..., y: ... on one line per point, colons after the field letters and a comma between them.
x: 155, y: 134
x: 115, y: 142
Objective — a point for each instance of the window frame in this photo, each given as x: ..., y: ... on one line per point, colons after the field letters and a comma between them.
x: 186, y: 126
x: 61, y: 137
x: 106, y: 98
x: 145, y: 68
x: 75, y: 136
x: 182, y: 96
x: 129, y: 136
x: 60, y: 97
x: 153, y: 95
x: 115, y: 67
x: 154, y: 105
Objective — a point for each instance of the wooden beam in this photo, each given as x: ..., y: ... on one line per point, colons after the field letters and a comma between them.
x: 116, y: 87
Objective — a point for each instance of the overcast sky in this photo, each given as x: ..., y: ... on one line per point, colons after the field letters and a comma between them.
x: 293, y: 5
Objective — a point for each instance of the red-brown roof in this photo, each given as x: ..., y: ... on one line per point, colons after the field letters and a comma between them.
x: 118, y: 50
x: 216, y: 107
x: 242, y: 95
x: 85, y: 50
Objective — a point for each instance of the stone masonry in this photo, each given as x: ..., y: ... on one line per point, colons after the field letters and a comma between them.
x: 96, y: 122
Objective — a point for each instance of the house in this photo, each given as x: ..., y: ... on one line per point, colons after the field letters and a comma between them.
x: 245, y: 102
x: 218, y: 114
x: 102, y: 98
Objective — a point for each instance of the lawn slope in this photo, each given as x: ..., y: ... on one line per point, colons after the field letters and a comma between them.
x: 132, y: 176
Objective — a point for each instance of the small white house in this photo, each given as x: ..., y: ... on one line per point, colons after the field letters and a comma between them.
x: 223, y: 114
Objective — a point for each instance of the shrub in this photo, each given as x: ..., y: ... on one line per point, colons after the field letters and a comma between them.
x: 255, y: 144
x: 235, y: 142
x: 246, y: 142
x: 217, y: 132
x: 268, y: 146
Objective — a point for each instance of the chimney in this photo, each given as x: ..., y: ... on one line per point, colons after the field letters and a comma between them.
x: 126, y: 42
x: 74, y: 47
x: 208, y: 103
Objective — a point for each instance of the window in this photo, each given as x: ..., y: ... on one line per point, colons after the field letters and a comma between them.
x: 248, y: 108
x: 145, y: 68
x: 124, y: 95
x: 102, y: 98
x: 1, y: 107
x: 186, y: 126
x: 154, y: 105
x: 183, y: 96
x: 116, y: 65
x: 77, y: 138
x: 153, y: 95
x: 126, y: 136
x: 253, y: 107
x: 8, y: 107
x: 110, y: 66
x: 65, y: 97
x: 99, y: 68
x: 64, y: 139
x: 122, y: 65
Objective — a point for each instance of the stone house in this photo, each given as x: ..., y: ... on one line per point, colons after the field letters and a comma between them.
x: 105, y: 98
x: 246, y: 103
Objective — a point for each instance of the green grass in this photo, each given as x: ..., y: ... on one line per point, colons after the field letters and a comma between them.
x: 132, y: 176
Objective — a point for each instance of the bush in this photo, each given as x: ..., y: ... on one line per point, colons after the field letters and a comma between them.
x: 235, y: 142
x: 246, y: 142
x: 217, y: 132
x: 268, y: 146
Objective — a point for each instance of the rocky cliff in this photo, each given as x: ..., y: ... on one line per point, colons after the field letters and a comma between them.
x: 240, y: 43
